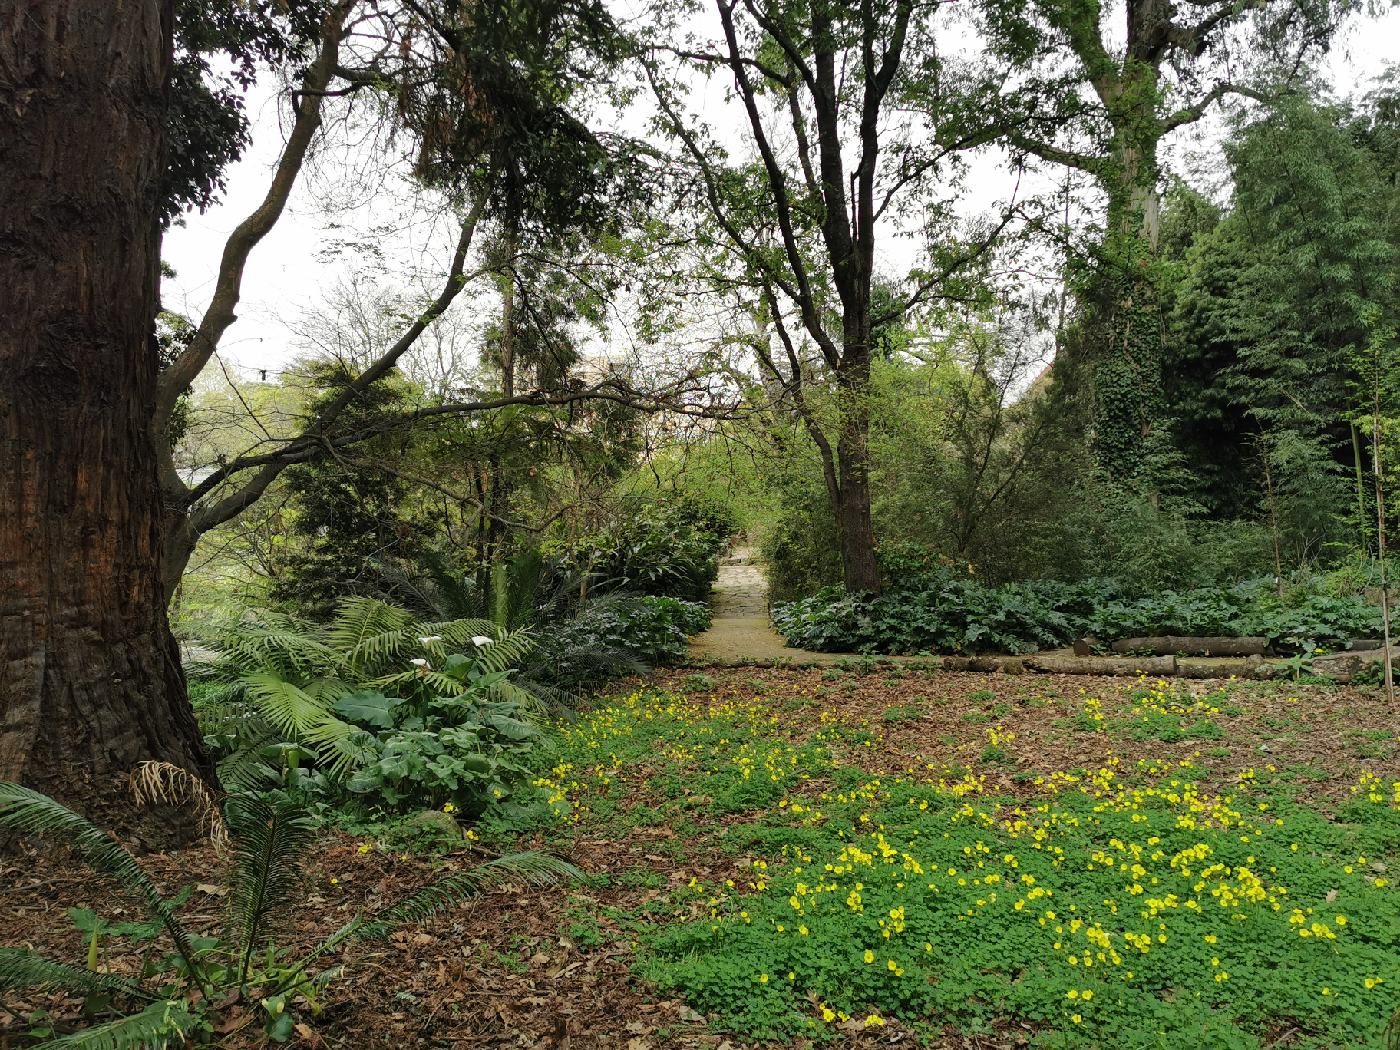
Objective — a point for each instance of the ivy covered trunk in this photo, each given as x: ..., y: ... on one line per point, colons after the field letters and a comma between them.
x: 1124, y: 329
x: 90, y: 676
x: 855, y: 524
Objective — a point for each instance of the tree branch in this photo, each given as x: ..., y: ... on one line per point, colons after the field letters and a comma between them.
x: 176, y: 379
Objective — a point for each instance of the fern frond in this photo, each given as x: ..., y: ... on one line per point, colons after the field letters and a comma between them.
x: 27, y: 812
x: 414, y: 678
x: 285, y: 704
x: 285, y: 646
x: 531, y: 867
x: 458, y: 634
x: 335, y: 743
x: 246, y: 769
x: 20, y: 969
x: 268, y: 841
x: 160, y: 1025
x: 530, y: 704
x: 507, y: 651
x: 367, y: 631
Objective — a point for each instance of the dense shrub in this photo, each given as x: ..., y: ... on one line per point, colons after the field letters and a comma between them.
x: 937, y: 610
x: 670, y: 549
x: 616, y: 634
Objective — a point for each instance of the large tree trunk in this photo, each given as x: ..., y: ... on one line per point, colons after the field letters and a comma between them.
x: 90, y: 676
x: 1124, y: 324
x: 853, y: 517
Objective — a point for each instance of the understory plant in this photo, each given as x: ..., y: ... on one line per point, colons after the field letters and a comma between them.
x: 616, y: 634
x: 945, y: 611
x: 180, y: 993
x: 428, y: 710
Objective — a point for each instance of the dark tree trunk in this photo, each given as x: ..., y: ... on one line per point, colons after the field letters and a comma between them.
x: 854, y: 521
x: 90, y: 676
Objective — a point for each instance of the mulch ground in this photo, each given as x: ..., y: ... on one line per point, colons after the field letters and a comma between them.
x: 551, y: 969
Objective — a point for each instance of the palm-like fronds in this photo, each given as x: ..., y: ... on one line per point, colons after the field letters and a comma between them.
x: 285, y: 675
x: 27, y: 812
x: 506, y: 651
x: 267, y: 842
x: 531, y: 867
x: 271, y: 642
x: 162, y: 1024
x: 366, y: 631
x: 20, y: 969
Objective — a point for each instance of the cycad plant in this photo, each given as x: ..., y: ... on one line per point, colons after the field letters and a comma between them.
x: 280, y: 679
x: 175, y: 1001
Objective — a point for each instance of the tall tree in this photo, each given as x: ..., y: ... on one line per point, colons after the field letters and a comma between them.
x: 1286, y: 317
x: 95, y: 523
x: 1123, y: 77
x: 484, y: 97
x: 853, y: 115
x: 90, y: 678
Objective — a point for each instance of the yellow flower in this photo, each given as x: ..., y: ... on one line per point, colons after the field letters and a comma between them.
x: 365, y: 847
x: 874, y: 1019
x: 869, y: 956
x: 1075, y: 1018
x: 472, y: 836
x: 763, y: 978
x: 1073, y: 993
x: 449, y: 808
x: 828, y: 1014
x: 1371, y: 982
x: 1086, y: 995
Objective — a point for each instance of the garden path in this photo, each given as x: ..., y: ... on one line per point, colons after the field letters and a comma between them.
x: 739, y: 632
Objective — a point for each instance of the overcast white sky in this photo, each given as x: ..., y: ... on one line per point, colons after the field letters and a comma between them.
x: 290, y: 273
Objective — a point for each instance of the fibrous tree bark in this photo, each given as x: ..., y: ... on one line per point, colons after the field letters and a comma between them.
x: 90, y: 675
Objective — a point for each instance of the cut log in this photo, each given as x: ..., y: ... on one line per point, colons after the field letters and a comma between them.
x: 1105, y: 665
x: 1247, y: 667
x: 1193, y: 645
x: 1342, y: 666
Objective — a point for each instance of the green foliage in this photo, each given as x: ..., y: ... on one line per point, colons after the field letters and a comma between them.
x: 1112, y: 910
x: 468, y: 759
x: 670, y: 549
x: 616, y: 634
x: 942, y: 611
x: 1096, y: 907
x: 346, y: 518
x: 179, y: 997
x: 219, y: 48
x: 374, y: 718
x: 1278, y: 312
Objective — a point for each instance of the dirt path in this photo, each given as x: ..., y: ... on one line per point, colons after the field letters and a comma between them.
x: 740, y: 632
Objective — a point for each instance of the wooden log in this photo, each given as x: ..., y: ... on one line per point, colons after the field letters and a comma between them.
x: 1193, y: 645
x: 1247, y: 667
x: 1342, y: 666
x: 1105, y: 665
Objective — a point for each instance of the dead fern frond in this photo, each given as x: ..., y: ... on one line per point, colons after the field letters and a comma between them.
x: 163, y: 782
